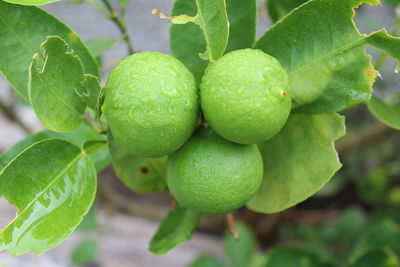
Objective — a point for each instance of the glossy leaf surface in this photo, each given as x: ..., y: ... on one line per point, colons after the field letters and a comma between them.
x: 385, y: 113
x: 141, y: 175
x: 324, y: 54
x: 22, y: 30
x: 77, y: 137
x: 298, y: 161
x: 174, y: 230
x: 52, y: 192
x: 54, y: 89
x: 187, y: 40
x: 31, y: 2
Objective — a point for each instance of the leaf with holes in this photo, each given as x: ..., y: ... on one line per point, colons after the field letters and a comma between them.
x: 52, y: 192
x: 324, y: 54
x: 298, y: 161
x: 22, y: 30
x: 54, y: 91
x: 174, y: 230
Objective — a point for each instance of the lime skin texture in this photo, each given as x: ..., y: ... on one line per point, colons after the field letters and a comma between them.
x: 211, y: 175
x: 151, y: 104
x: 245, y: 96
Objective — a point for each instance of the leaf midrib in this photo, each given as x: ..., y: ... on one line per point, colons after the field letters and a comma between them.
x: 331, y: 54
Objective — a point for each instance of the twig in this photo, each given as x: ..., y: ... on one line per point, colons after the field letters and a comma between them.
x: 231, y: 226
x: 113, y: 15
x: 8, y: 111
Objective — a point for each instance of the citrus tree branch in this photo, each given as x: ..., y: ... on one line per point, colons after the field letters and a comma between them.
x: 113, y: 16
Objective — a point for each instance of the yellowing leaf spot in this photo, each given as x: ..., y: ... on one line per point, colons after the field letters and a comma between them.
x: 72, y: 35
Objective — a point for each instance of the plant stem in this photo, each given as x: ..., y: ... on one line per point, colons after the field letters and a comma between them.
x: 231, y: 226
x: 113, y: 15
x: 9, y: 113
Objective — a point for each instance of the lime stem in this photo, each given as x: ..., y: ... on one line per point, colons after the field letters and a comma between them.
x: 230, y: 219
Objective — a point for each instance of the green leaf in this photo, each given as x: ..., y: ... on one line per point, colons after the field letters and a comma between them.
x: 54, y: 91
x: 242, y: 15
x: 174, y: 230
x: 384, y: 257
x: 205, y: 261
x: 85, y: 252
x: 277, y: 9
x: 98, y: 46
x: 187, y: 41
x: 77, y: 137
x: 31, y: 2
x: 53, y: 185
x: 385, y: 113
x: 99, y: 153
x: 298, y: 161
x: 324, y: 54
x: 22, y: 30
x: 141, y: 175
x: 384, y: 234
x: 91, y: 95
x: 240, y: 252
x: 291, y: 256
x: 213, y: 21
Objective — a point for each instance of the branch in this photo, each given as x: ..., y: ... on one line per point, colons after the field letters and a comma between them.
x: 231, y: 226
x: 9, y: 113
x: 113, y: 15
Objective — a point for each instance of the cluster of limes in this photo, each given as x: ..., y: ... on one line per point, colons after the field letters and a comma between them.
x: 153, y: 106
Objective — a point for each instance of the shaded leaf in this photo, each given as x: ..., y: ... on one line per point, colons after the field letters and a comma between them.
x: 53, y: 185
x: 384, y: 257
x: 89, y: 222
x: 324, y: 54
x: 174, y: 230
x: 291, y: 256
x: 31, y: 2
x: 385, y: 233
x: 385, y: 113
x: 77, y: 137
x: 99, y: 153
x: 85, y: 252
x: 141, y: 175
x: 53, y: 91
x: 298, y: 161
x: 98, y: 46
x: 187, y: 41
x: 22, y: 30
x: 240, y: 252
x: 92, y: 91
x: 242, y: 15
x: 277, y: 9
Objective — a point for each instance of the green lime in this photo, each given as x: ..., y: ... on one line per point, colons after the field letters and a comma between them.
x: 211, y: 175
x: 151, y: 104
x: 245, y: 96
